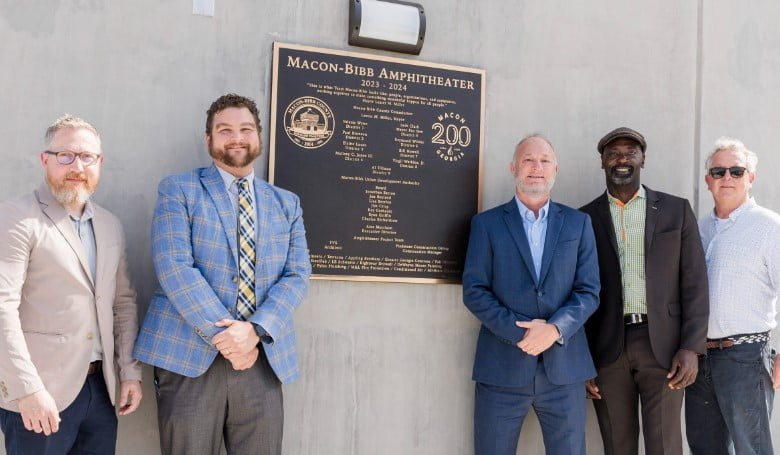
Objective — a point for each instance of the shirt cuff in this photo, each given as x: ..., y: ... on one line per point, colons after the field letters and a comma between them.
x: 264, y: 337
x: 560, y: 337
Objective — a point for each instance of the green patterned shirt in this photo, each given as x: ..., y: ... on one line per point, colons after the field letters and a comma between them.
x: 629, y: 222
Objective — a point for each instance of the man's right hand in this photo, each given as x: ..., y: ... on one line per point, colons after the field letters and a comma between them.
x: 243, y: 361
x: 592, y: 390
x: 39, y: 413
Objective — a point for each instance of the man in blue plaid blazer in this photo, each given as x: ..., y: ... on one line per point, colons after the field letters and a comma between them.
x: 230, y: 255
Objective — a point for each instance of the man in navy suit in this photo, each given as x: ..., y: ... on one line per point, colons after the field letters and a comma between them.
x: 532, y: 278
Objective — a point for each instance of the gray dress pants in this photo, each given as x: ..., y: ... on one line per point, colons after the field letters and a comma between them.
x: 243, y: 409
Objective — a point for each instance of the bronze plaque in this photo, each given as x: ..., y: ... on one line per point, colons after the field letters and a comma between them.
x: 385, y: 155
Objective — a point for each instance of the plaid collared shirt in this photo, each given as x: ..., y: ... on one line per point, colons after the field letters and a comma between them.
x: 629, y: 222
x: 743, y: 266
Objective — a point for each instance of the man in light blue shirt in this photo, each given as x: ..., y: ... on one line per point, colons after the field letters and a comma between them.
x: 531, y: 278
x: 729, y: 406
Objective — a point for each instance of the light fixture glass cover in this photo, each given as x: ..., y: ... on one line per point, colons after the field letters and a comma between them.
x: 387, y: 24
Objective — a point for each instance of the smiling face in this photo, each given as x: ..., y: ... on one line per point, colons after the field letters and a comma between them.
x: 534, y: 167
x: 622, y: 161
x: 234, y: 141
x: 72, y: 184
x: 730, y: 191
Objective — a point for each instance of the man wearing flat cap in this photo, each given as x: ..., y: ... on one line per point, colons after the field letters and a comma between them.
x: 652, y: 319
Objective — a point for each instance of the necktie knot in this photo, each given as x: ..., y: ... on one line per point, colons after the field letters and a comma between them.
x: 242, y: 183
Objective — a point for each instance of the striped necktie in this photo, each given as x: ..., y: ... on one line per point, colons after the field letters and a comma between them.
x: 246, y: 252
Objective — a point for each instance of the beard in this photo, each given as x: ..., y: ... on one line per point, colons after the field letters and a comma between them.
x: 68, y: 193
x: 619, y: 179
x: 231, y: 158
x: 535, y: 190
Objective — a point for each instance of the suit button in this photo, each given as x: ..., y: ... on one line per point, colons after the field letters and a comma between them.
x: 540, y: 294
x: 90, y: 336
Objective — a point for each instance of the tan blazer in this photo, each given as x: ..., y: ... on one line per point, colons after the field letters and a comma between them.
x: 49, y: 303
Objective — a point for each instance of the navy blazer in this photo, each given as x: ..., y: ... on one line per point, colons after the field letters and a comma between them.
x: 500, y: 287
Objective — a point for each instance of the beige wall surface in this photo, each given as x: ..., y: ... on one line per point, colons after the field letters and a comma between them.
x: 386, y: 367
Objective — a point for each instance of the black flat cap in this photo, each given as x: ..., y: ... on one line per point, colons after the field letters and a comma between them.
x: 619, y: 133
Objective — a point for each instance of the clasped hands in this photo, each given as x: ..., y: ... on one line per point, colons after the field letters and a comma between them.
x: 539, y: 336
x: 237, y: 343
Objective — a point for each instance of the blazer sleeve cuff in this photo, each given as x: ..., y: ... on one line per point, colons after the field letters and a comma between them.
x: 22, y: 389
x: 131, y: 372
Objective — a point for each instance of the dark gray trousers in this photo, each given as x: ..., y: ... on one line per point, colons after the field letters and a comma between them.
x: 241, y: 408
x: 634, y: 376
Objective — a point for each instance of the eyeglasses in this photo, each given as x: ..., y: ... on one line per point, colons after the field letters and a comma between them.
x: 66, y: 158
x: 720, y: 172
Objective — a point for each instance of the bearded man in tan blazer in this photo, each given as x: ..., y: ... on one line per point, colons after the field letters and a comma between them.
x: 67, y: 309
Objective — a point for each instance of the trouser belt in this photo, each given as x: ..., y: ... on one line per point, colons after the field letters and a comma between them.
x: 735, y: 340
x: 95, y: 367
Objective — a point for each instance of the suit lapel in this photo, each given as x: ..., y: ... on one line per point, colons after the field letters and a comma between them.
x: 605, y: 217
x: 262, y: 223
x: 515, y: 225
x: 215, y: 186
x: 554, y: 225
x: 102, y: 241
x: 57, y: 214
x: 652, y: 210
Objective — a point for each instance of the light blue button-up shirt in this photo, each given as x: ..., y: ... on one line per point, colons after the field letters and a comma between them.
x: 535, y: 231
x: 85, y: 233
x: 231, y: 185
x: 743, y: 267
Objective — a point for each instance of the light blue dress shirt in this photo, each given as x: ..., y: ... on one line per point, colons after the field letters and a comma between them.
x: 85, y: 233
x: 535, y: 231
x: 743, y: 267
x: 231, y: 186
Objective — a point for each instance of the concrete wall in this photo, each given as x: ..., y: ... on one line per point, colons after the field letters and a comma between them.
x: 386, y: 367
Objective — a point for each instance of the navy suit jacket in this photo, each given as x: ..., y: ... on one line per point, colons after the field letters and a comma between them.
x: 500, y: 287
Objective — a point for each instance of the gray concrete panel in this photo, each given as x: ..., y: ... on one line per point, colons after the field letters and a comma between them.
x: 386, y: 367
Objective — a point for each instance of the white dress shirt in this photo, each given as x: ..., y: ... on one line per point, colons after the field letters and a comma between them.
x: 743, y: 267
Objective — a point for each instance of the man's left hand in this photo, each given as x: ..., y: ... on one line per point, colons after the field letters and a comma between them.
x: 539, y: 336
x: 685, y: 366
x: 130, y: 395
x: 238, y: 339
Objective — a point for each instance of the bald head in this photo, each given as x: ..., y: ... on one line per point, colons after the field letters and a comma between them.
x: 535, y: 141
x: 534, y: 166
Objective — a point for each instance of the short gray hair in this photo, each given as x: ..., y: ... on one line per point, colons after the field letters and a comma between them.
x: 734, y: 145
x: 68, y: 121
x: 534, y: 136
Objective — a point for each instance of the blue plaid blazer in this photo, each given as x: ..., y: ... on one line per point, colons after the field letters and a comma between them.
x: 194, y: 245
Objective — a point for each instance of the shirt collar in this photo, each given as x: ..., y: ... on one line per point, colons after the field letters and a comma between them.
x: 750, y: 203
x: 640, y: 194
x: 89, y: 212
x: 230, y: 179
x: 528, y: 214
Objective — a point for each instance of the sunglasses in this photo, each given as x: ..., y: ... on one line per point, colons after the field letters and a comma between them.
x: 720, y: 172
